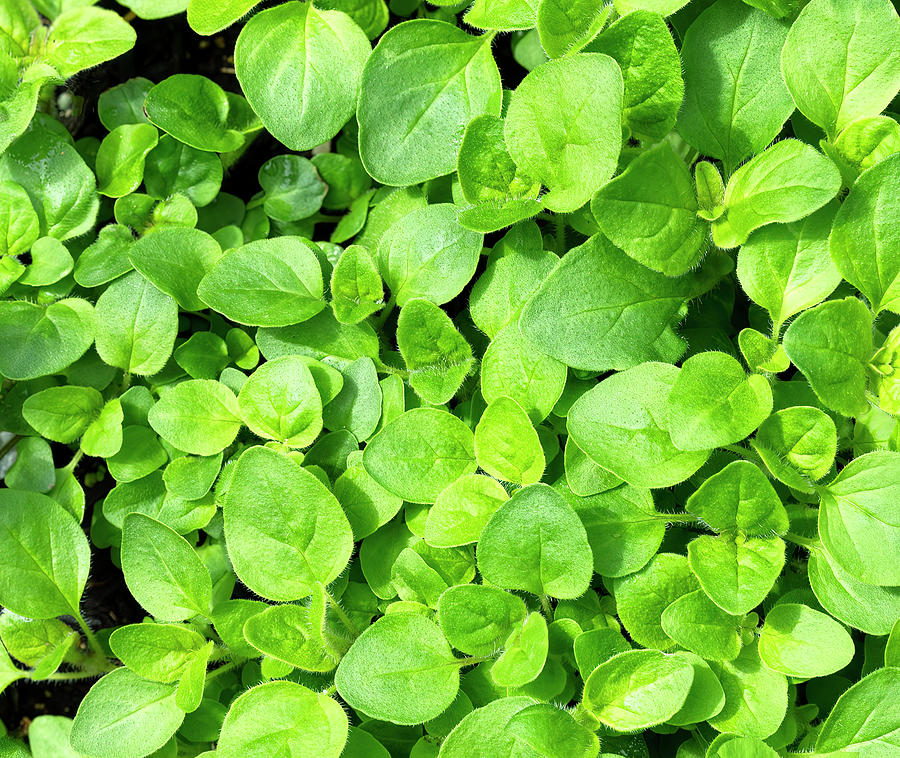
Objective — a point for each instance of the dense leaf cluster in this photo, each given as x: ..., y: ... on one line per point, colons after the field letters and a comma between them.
x: 536, y: 423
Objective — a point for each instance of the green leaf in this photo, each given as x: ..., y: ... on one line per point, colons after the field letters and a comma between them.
x: 124, y: 103
x: 462, y: 509
x: 735, y: 101
x: 543, y: 532
x: 739, y: 497
x: 705, y: 699
x: 640, y: 42
x: 784, y: 183
x: 424, y: 81
x: 307, y: 98
x: 863, y: 241
x: 642, y: 597
x: 357, y: 407
x: 623, y: 425
x: 367, y: 504
x: 280, y: 401
x: 864, y: 719
x: 437, y: 356
x: 755, y: 696
x: 356, y: 289
x: 868, y: 607
x: 123, y: 716
x: 428, y: 254
x: 81, y: 38
x: 175, y: 260
x: 650, y: 212
x: 19, y: 224
x: 699, y: 625
x: 173, y: 167
x: 476, y: 619
x: 140, y: 453
x: 623, y: 528
x: 62, y: 414
x: 861, y: 76
x: 158, y: 652
x: 566, y: 26
x: 858, y: 521
x: 292, y: 187
x: 43, y: 340
x: 196, y: 111
x: 400, y: 669
x: 786, y: 268
x: 136, y: 325
x: 506, y: 445
x: 162, y: 570
x: 524, y: 654
x: 50, y: 262
x: 799, y: 641
x: 40, y: 541
x: 832, y: 344
x: 106, y: 258
x: 208, y: 17
x: 569, y: 141
x: 275, y: 717
x: 484, y: 731
x: 638, y: 689
x: 199, y: 416
x: 506, y: 15
x: 616, y: 321
x: 274, y: 282
x: 419, y: 453
x: 288, y: 633
x: 513, y: 367
x: 736, y: 572
x: 285, y: 531
x: 549, y: 731
x: 714, y: 403
x: 798, y: 440
x: 120, y: 159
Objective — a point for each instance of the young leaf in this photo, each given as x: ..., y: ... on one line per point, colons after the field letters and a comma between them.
x: 799, y: 641
x: 569, y: 142
x: 638, y: 689
x: 437, y: 356
x: 420, y: 453
x: 537, y: 526
x: 199, y: 416
x: 356, y: 290
x: 46, y: 556
x: 506, y: 444
x: 714, y: 403
x: 623, y: 425
x: 158, y: 652
x: 862, y: 76
x: 784, y: 183
x: 832, y: 344
x: 400, y: 669
x: 650, y: 212
x: 120, y: 159
x: 280, y: 401
x: 136, y: 325
x: 424, y: 81
x: 163, y: 571
x: 273, y: 718
x: 863, y: 241
x: 123, y: 716
x: 698, y: 624
x: 62, y: 414
x: 476, y: 619
x: 274, y: 282
x: 285, y: 531
x: 307, y: 99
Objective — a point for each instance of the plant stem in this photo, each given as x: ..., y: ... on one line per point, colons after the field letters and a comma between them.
x: 10, y: 444
x: 546, y: 607
x: 91, y: 638
x: 79, y: 454
x: 389, y: 306
x: 679, y: 518
x: 67, y: 676
x: 221, y: 670
x: 341, y: 613
x: 797, y: 539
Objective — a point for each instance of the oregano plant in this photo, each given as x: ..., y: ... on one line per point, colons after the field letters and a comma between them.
x: 511, y: 379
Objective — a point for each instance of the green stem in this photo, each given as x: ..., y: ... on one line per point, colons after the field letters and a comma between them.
x: 10, y: 444
x: 91, y: 638
x: 560, y: 224
x: 221, y: 670
x: 389, y: 306
x: 329, y: 690
x: 341, y: 613
x: 472, y: 660
x: 546, y: 607
x: 797, y: 539
x: 679, y: 518
x: 67, y: 676
x: 70, y: 466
